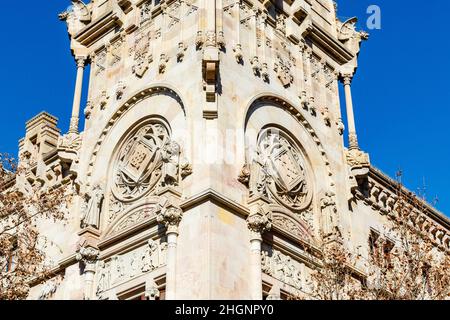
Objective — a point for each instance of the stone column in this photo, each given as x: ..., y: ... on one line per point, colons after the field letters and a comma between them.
x: 170, y: 215
x: 87, y: 256
x: 258, y: 222
x: 81, y: 61
x: 352, y: 137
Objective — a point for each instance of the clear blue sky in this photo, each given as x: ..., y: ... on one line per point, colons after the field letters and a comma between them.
x: 401, y: 91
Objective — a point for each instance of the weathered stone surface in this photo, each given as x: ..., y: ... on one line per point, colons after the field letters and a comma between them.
x: 212, y: 149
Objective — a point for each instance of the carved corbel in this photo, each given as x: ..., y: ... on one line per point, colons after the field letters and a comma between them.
x: 151, y: 290
x: 340, y: 126
x: 87, y: 254
x: 210, y: 78
x: 120, y: 89
x: 163, y: 59
x: 304, y: 102
x: 359, y: 162
x: 238, y: 53
x: 181, y: 51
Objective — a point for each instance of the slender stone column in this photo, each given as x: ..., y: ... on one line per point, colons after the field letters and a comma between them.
x: 255, y: 266
x: 172, y: 238
x: 170, y: 215
x: 81, y: 61
x: 352, y: 137
x: 258, y: 222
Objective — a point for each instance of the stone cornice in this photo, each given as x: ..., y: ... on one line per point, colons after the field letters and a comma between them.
x: 98, y: 28
x: 382, y: 195
x: 215, y: 197
x: 388, y: 182
x: 329, y: 44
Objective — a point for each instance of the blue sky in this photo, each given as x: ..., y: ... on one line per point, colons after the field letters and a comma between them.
x: 401, y: 91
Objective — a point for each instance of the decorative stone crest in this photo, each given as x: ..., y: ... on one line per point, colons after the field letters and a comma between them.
x: 279, y: 172
x: 142, y: 54
x: 148, y: 159
x: 115, y: 52
x: 283, y: 69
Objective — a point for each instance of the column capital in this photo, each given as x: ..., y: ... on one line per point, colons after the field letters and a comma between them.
x: 259, y: 219
x: 347, y: 78
x: 169, y: 214
x: 80, y: 61
x: 88, y: 255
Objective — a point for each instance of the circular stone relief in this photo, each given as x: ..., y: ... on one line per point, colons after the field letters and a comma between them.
x: 138, y: 166
x: 287, y: 177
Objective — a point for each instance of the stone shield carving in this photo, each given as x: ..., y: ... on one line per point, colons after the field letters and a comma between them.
x: 279, y: 171
x: 147, y: 159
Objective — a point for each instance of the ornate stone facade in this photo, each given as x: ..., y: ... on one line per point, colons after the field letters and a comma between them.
x: 212, y: 153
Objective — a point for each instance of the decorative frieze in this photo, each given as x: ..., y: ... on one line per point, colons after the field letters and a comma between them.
x: 385, y: 201
x: 282, y: 267
x: 123, y: 267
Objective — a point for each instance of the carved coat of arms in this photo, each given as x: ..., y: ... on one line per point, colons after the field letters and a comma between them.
x: 281, y: 173
x: 142, y: 54
x: 148, y: 157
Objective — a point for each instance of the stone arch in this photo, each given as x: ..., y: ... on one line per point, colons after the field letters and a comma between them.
x: 156, y: 104
x: 282, y: 103
x: 286, y: 222
x: 271, y: 111
x: 124, y: 109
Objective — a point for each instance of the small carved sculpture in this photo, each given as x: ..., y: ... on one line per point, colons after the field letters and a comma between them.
x: 76, y: 16
x: 92, y: 208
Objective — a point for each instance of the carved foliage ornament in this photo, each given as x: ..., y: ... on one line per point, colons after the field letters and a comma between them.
x: 148, y: 159
x: 279, y: 172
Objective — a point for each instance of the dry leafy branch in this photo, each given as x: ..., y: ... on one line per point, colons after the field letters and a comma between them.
x: 403, y: 263
x: 22, y: 256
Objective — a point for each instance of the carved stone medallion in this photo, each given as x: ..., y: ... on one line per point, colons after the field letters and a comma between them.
x: 284, y: 171
x: 138, y: 167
